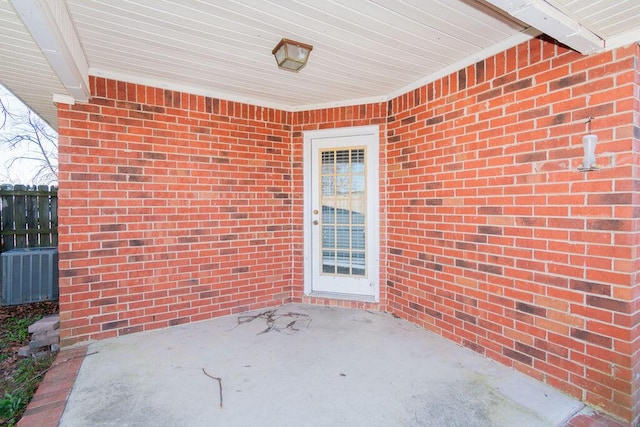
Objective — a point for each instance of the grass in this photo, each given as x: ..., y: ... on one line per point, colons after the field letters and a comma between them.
x: 3, y: 354
x: 23, y: 382
x: 17, y: 329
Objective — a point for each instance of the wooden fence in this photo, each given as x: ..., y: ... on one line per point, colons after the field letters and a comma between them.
x: 29, y: 217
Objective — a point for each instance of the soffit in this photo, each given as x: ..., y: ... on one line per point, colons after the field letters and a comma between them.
x: 610, y: 19
x: 364, y: 50
x: 23, y: 68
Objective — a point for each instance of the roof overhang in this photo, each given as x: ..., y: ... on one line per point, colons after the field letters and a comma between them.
x: 364, y: 51
x: 52, y: 29
x: 553, y: 22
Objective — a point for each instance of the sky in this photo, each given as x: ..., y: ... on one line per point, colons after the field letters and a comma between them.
x: 21, y: 171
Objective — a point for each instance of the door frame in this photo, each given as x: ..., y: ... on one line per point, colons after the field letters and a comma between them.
x: 373, y: 148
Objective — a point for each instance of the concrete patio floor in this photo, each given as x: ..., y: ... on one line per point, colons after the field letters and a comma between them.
x: 330, y: 367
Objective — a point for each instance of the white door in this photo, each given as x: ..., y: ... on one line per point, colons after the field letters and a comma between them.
x: 342, y: 213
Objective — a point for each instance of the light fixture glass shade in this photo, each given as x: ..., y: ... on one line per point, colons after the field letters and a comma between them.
x: 589, y: 145
x: 291, y: 55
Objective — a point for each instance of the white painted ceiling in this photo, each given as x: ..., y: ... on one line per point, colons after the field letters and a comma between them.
x: 611, y: 20
x: 364, y: 50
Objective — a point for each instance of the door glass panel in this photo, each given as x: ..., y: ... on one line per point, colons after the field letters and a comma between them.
x: 342, y: 159
x: 342, y: 185
x: 329, y: 262
x: 343, y: 238
x: 357, y: 210
x: 329, y: 236
x: 357, y: 238
x: 343, y: 200
x: 328, y: 186
x: 328, y: 215
x: 357, y: 185
x: 357, y: 263
x: 343, y: 211
x: 344, y: 266
x: 328, y: 163
x: 357, y: 161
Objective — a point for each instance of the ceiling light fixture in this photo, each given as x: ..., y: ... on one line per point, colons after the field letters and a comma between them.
x: 291, y: 55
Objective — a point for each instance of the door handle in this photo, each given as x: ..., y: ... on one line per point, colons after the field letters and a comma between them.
x: 315, y: 222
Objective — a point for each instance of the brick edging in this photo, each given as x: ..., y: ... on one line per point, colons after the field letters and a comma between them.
x: 47, y: 405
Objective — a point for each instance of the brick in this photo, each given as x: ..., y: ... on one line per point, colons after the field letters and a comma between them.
x: 44, y: 341
x: 25, y: 351
x: 568, y: 81
x: 43, y: 335
x: 531, y: 351
x: 609, y: 224
x: 531, y: 309
x: 465, y: 317
x: 591, y: 337
x: 608, y: 304
x: 610, y: 199
x: 591, y: 287
x: 520, y: 357
x: 48, y: 323
x: 551, y: 348
x: 490, y: 230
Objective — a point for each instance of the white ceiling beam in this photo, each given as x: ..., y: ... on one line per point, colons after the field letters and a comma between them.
x: 623, y: 39
x: 553, y: 22
x: 50, y: 25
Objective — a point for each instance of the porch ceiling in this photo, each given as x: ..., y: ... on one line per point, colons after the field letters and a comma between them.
x: 364, y: 50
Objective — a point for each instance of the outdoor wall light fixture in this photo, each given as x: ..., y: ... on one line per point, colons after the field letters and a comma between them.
x: 589, y: 146
x: 291, y: 55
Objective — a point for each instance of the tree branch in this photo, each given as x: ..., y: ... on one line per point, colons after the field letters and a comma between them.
x: 32, y: 140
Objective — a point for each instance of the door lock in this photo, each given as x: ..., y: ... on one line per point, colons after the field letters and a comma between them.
x: 315, y: 222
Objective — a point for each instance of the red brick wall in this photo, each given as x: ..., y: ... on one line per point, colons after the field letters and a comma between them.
x: 173, y: 208
x: 633, y: 263
x: 497, y: 241
x: 177, y: 207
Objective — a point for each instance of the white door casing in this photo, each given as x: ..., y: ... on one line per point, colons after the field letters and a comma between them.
x: 341, y: 213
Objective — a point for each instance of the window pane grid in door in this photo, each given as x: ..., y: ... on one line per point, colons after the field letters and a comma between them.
x: 343, y: 200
